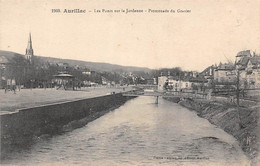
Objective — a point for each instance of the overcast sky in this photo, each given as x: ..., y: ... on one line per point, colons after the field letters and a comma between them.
x: 192, y: 41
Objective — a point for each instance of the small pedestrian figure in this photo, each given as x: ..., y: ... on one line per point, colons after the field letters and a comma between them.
x: 13, y: 85
x: 14, y: 89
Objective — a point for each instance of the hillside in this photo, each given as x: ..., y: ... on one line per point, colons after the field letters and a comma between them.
x: 96, y: 66
x: 7, y: 57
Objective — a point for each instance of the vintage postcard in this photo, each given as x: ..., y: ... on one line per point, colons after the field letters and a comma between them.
x: 130, y: 82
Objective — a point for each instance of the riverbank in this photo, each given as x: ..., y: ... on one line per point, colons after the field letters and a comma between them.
x: 27, y: 98
x: 242, y: 123
x: 139, y: 132
x: 25, y: 126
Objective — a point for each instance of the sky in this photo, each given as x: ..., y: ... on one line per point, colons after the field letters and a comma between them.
x: 213, y: 31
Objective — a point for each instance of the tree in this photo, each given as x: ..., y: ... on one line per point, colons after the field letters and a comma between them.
x: 16, y: 70
x: 194, y: 86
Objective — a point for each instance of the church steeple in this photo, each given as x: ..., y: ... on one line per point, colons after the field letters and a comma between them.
x: 29, y: 50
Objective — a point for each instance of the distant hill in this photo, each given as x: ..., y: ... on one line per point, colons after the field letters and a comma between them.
x: 7, y: 57
x: 95, y: 66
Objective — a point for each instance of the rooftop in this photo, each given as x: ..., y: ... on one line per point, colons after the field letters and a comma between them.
x: 244, y: 53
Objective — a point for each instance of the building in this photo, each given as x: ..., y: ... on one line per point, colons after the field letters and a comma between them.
x: 248, y: 64
x: 174, y: 83
x: 155, y: 81
x: 253, y: 72
x: 208, y: 73
x: 161, y: 82
x: 224, y: 73
x: 198, y: 83
x: 29, y: 55
x: 13, y: 66
x: 186, y: 84
x: 242, y: 59
x: 64, y: 81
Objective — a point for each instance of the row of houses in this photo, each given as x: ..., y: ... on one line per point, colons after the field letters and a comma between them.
x: 246, y: 69
x: 185, y: 84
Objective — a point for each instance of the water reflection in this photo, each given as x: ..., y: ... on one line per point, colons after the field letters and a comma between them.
x: 138, y: 133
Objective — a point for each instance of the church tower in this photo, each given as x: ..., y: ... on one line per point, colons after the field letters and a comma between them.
x: 29, y: 51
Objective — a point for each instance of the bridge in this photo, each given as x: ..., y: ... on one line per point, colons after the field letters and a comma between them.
x: 157, y: 94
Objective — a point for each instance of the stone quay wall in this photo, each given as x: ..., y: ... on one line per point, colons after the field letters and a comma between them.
x: 24, y: 126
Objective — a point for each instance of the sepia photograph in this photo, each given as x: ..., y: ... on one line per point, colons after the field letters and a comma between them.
x: 129, y: 82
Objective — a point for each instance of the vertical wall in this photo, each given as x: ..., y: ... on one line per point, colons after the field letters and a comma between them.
x: 19, y: 127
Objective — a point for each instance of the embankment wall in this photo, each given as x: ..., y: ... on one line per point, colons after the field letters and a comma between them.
x: 20, y: 127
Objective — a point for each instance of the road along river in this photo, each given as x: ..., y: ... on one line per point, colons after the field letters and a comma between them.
x: 137, y: 133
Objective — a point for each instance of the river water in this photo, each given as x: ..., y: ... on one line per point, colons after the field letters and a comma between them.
x: 138, y: 133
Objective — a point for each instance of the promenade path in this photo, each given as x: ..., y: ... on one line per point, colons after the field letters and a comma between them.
x: 26, y: 98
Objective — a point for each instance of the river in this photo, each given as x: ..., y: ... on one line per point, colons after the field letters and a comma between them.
x: 137, y: 133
